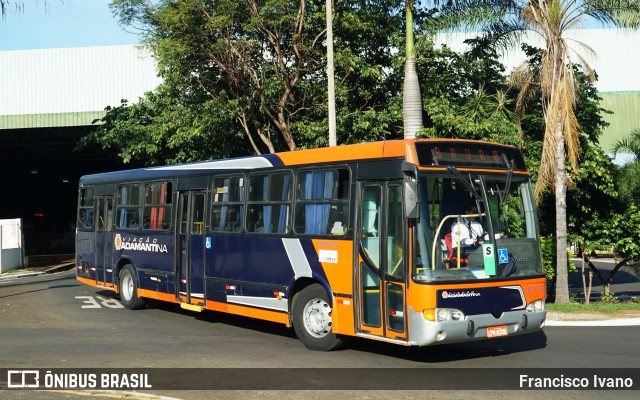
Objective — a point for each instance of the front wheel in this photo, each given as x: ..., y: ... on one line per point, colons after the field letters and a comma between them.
x: 129, y: 289
x: 312, y: 319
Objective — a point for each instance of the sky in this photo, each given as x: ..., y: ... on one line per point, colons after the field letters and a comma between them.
x: 60, y: 24
x: 45, y: 24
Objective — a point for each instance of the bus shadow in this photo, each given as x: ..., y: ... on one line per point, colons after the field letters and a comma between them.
x: 237, y: 321
x: 454, y: 352
x: 431, y: 354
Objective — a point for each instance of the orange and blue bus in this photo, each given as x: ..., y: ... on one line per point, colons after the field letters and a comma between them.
x: 352, y: 240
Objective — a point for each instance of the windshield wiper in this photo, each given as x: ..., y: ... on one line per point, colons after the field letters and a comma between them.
x: 507, y: 188
x: 468, y: 185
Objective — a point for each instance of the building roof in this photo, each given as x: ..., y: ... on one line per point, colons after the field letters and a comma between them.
x: 70, y: 87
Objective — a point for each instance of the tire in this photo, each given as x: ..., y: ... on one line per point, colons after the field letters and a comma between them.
x: 129, y: 289
x: 312, y: 319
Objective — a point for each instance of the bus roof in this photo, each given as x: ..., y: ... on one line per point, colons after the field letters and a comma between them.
x: 353, y: 152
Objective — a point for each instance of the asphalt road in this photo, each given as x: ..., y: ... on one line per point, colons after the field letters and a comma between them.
x: 54, y: 322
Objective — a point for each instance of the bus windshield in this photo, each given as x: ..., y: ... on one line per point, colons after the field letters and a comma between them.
x: 476, y: 226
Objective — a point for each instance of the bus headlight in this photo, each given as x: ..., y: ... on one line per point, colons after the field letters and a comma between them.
x: 537, y: 306
x: 443, y: 314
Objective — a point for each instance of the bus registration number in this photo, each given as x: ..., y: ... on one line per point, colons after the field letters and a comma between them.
x: 496, y: 331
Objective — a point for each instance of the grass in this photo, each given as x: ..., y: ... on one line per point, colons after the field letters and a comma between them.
x: 19, y: 271
x: 14, y: 272
x: 596, y: 307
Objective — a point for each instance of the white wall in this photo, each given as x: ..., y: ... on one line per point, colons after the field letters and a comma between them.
x: 69, y: 80
x: 11, y: 245
x: 612, y: 53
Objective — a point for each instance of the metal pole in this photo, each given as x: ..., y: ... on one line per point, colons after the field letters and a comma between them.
x: 330, y: 77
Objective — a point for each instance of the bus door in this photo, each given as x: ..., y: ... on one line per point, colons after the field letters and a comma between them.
x: 104, y: 241
x: 381, y: 267
x: 190, y: 247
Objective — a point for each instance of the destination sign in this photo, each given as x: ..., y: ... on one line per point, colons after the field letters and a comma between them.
x: 466, y: 154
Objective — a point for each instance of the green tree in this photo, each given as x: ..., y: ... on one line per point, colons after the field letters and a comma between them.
x: 465, y: 94
x: 258, y: 52
x: 18, y: 6
x: 554, y: 78
x: 6, y: 4
x: 610, y: 215
x: 262, y: 62
x: 629, y: 174
x: 169, y: 126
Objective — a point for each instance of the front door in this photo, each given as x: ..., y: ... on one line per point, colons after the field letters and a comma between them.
x: 104, y: 241
x: 381, y: 266
x: 191, y: 246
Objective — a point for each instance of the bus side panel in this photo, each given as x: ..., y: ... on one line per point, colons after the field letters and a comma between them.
x: 152, y: 255
x: 257, y: 272
x: 248, y: 260
x: 336, y: 257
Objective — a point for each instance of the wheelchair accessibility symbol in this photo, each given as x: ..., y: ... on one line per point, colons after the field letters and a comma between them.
x: 503, y: 256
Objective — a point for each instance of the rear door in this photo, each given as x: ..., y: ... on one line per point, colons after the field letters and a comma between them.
x: 104, y: 241
x: 191, y: 247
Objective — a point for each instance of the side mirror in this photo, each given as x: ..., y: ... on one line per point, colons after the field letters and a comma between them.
x: 411, y: 199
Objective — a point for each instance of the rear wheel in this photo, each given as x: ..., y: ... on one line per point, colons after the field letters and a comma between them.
x: 129, y: 289
x: 312, y: 319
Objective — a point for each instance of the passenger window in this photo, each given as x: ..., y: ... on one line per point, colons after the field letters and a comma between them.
x: 269, y: 203
x: 157, y: 206
x: 128, y: 211
x: 85, y: 208
x: 227, y: 209
x: 322, y: 206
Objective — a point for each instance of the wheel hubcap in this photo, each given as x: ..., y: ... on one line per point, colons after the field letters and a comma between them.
x: 317, y: 318
x: 127, y: 287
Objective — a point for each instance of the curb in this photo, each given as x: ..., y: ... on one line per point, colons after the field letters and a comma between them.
x: 604, y: 322
x: 555, y: 318
x: 19, y: 276
x: 52, y: 270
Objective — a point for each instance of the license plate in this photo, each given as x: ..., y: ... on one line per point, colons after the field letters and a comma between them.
x: 497, y: 331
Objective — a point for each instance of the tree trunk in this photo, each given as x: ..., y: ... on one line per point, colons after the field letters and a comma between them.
x: 586, y: 288
x: 560, y: 183
x: 411, y: 101
x: 411, y: 98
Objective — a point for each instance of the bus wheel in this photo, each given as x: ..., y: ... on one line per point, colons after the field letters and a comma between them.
x: 312, y: 319
x: 129, y: 289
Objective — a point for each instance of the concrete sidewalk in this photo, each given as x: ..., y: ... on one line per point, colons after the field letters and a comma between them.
x: 629, y: 318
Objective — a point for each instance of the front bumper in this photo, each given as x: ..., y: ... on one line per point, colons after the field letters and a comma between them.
x: 473, y: 327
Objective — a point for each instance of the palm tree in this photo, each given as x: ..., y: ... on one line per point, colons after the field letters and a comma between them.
x: 506, y: 21
x: 629, y: 144
x: 18, y: 6
x: 629, y: 178
x: 411, y: 99
x: 4, y: 5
